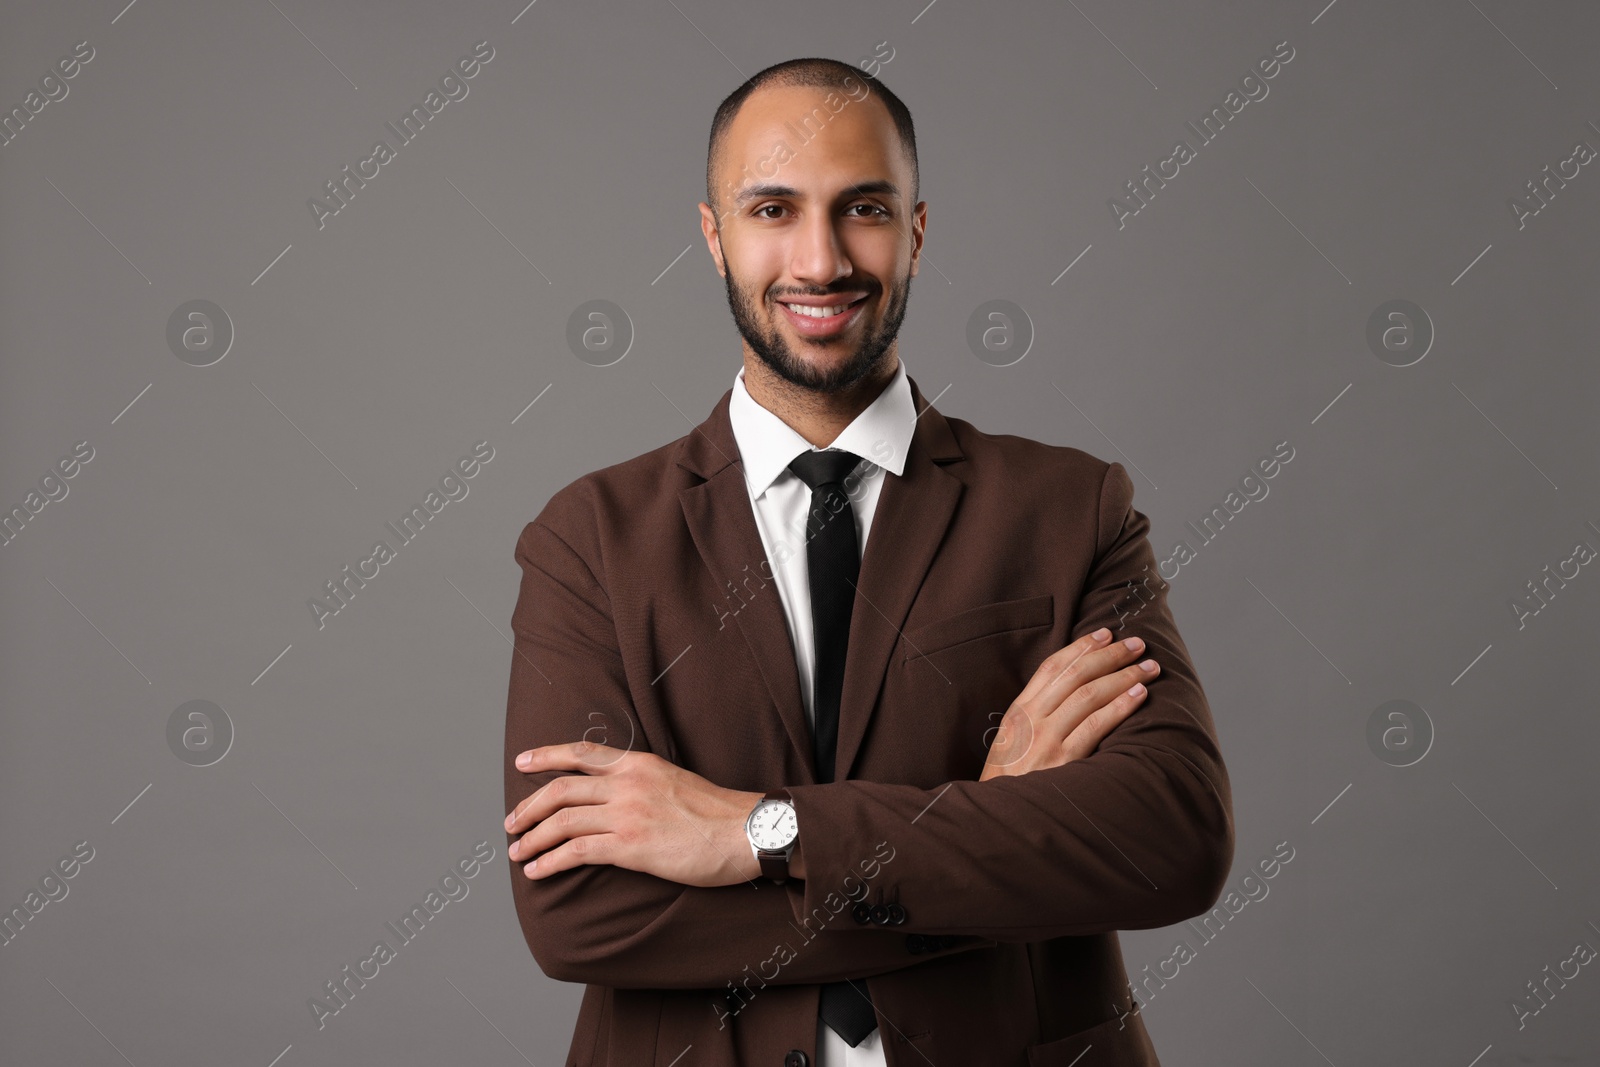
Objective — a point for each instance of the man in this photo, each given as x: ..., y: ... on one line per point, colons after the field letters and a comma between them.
x: 820, y: 747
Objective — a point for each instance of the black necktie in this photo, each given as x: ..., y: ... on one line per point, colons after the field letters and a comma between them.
x: 833, y: 563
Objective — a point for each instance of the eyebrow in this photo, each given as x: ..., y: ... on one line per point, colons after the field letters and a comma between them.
x: 789, y: 192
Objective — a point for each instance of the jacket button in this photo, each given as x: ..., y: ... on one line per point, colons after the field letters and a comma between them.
x: 897, y: 914
x: 916, y: 944
x: 862, y: 912
x: 796, y: 1058
x: 880, y: 914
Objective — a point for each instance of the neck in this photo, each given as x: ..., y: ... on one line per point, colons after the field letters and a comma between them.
x: 818, y: 417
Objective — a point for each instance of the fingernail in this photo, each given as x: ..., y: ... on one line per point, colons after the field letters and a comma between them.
x: 509, y: 820
x: 1149, y: 666
x: 1101, y: 634
x: 1138, y: 688
x: 524, y: 759
x: 1134, y: 644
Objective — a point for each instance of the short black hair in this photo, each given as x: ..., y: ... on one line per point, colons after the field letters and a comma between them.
x: 820, y: 73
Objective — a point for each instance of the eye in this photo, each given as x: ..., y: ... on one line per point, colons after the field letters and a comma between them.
x: 874, y: 207
x: 766, y: 207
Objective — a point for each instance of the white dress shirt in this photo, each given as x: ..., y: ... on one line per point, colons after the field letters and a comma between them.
x: 881, y: 435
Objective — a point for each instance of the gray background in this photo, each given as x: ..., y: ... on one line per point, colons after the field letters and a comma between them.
x: 1227, y: 316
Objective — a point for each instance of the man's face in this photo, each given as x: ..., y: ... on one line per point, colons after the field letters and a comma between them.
x: 819, y: 221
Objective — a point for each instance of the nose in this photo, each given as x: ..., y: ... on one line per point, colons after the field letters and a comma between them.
x: 818, y: 256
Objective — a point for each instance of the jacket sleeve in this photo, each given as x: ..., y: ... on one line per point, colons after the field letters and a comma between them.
x: 1137, y: 835
x: 616, y: 927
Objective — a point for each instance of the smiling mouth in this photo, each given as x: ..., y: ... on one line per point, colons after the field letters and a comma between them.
x: 822, y: 313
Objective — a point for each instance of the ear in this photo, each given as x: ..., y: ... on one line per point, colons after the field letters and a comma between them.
x: 919, y: 226
x: 708, y: 227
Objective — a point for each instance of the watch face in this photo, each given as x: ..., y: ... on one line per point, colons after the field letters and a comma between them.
x: 772, y: 826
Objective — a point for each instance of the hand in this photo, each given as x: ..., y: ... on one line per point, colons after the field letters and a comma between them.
x: 1076, y: 697
x: 633, y: 810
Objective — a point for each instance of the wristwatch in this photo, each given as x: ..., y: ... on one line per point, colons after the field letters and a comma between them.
x: 773, y: 830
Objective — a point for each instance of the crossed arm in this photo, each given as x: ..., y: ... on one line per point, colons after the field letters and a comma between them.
x: 648, y: 857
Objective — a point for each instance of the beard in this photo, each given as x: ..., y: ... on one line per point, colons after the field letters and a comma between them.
x: 774, y: 350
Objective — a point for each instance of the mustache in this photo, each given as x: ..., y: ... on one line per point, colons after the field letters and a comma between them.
x: 780, y: 297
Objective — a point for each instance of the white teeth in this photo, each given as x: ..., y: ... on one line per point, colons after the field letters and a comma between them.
x: 818, y: 312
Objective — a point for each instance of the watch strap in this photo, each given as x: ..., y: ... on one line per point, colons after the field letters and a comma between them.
x: 774, y: 865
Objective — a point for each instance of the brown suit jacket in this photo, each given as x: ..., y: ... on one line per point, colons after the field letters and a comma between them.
x: 980, y: 915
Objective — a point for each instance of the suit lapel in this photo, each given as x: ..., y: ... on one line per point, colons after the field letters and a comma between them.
x: 913, y: 512
x: 723, y: 525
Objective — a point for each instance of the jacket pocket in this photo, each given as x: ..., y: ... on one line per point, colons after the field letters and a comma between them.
x: 985, y: 620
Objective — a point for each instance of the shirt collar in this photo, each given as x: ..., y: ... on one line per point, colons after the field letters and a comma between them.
x: 881, y: 434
